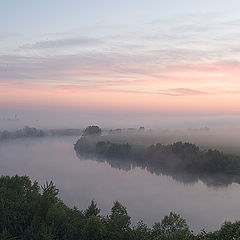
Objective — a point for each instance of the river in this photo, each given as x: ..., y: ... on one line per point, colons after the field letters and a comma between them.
x: 147, y: 196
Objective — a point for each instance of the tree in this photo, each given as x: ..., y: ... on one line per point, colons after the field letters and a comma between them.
x: 141, y: 231
x: 49, y: 197
x: 5, y: 235
x: 94, y: 229
x: 92, y: 210
x: 92, y: 130
x: 172, y: 227
x: 84, y: 147
x: 119, y: 222
x: 228, y: 231
x: 19, y: 202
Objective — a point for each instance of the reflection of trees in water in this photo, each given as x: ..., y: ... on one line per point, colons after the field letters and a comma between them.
x: 182, y: 176
x: 123, y: 165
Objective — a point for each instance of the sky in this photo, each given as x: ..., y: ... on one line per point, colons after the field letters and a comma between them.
x: 137, y: 58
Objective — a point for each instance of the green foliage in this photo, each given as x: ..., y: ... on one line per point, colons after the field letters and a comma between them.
x: 29, y: 214
x: 84, y: 147
x: 228, y: 231
x: 92, y: 210
x: 5, y: 235
x: 119, y: 222
x: 113, y: 150
x: 22, y: 133
x: 142, y: 231
x: 94, y: 229
x: 119, y: 216
x: 158, y: 158
x: 172, y: 227
x: 37, y: 229
x: 92, y: 130
x: 49, y: 197
x: 19, y: 202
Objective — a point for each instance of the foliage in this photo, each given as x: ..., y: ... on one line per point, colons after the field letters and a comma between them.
x: 92, y: 210
x: 27, y: 213
x: 172, y: 227
x: 113, y: 150
x: 142, y: 231
x: 22, y: 133
x: 185, y: 157
x: 84, y: 146
x: 94, y: 229
x: 228, y: 231
x: 119, y: 222
x: 30, y: 132
x: 92, y: 130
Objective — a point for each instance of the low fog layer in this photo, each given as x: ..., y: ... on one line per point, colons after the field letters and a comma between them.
x: 79, y: 181
x: 225, y: 139
x: 12, y: 119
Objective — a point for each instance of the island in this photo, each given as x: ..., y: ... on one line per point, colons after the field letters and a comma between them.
x: 184, y: 161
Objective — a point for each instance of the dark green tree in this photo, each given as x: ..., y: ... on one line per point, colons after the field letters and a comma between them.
x: 5, y: 235
x: 92, y: 210
x: 94, y: 229
x: 228, y: 231
x: 49, y: 198
x: 119, y: 222
x: 142, y: 231
x: 92, y: 130
x: 172, y: 227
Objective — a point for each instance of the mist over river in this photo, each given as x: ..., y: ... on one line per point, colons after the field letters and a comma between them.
x: 146, y: 195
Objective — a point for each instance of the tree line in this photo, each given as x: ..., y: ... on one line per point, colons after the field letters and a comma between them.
x: 185, y: 162
x: 29, y: 211
x: 182, y: 156
x: 31, y: 132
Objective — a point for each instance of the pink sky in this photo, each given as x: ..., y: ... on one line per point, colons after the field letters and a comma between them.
x: 206, y: 88
x: 180, y: 60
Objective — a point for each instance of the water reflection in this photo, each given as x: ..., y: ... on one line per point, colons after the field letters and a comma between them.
x: 215, y: 180
x: 146, y: 196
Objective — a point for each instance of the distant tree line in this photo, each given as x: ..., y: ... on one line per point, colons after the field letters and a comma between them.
x: 168, y: 159
x: 29, y: 212
x: 92, y: 130
x: 21, y: 133
x: 28, y: 132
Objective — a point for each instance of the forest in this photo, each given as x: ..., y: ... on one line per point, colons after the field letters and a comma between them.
x: 31, y: 132
x: 29, y: 211
x: 183, y: 161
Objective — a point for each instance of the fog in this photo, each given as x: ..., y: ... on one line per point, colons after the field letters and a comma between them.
x: 12, y: 118
x: 223, y: 131
x: 146, y: 196
x: 202, y: 201
x: 217, y: 132
x: 225, y: 138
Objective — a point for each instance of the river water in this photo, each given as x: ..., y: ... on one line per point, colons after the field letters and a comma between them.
x: 146, y: 195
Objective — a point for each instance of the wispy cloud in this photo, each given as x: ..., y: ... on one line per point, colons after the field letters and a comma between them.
x: 171, y: 58
x: 113, y: 72
x: 186, y: 91
x: 7, y: 35
x: 64, y: 43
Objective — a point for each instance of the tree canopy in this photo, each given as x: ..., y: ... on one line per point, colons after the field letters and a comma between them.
x: 31, y: 213
x: 92, y: 130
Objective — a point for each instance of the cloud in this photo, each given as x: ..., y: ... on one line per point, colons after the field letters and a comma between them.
x: 178, y: 60
x: 114, y: 69
x: 186, y: 91
x: 7, y: 35
x: 174, y: 92
x: 77, y: 88
x: 161, y: 51
x: 119, y: 73
x: 64, y: 43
